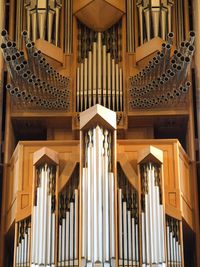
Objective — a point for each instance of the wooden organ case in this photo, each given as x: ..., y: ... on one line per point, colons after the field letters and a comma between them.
x: 99, y: 135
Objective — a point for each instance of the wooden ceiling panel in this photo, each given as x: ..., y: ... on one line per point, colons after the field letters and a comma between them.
x: 99, y: 15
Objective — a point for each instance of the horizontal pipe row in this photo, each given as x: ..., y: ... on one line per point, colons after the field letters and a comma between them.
x: 98, y: 226
x: 157, y: 16
x: 68, y: 230
x: 99, y: 80
x: 44, y: 218
x: 170, y: 98
x: 23, y: 243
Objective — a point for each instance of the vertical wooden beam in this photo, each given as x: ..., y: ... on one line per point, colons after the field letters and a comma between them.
x: 2, y: 25
x: 196, y: 22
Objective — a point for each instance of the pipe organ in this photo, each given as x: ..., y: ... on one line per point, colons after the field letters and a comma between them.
x: 99, y: 145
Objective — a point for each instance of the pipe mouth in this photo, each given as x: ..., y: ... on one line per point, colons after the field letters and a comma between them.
x: 163, y: 45
x: 12, y: 92
x: 18, y: 68
x: 29, y: 45
x: 187, y: 59
x: 30, y: 80
x: 175, y: 51
x: 24, y: 33
x: 8, y: 58
x: 3, y: 46
x: 168, y: 46
x: 16, y: 89
x: 188, y: 83
x: 187, y: 44
x: 4, y: 33
x: 174, y: 66
x: 17, y: 54
x: 14, y: 44
x: 9, y: 44
x: 192, y: 34
x: 170, y: 35
x: 25, y: 75
x: 182, y: 44
x: 8, y: 86
x: 179, y: 67
x: 191, y: 48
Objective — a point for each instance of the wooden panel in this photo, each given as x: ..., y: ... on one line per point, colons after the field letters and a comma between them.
x: 186, y: 188
x: 170, y: 173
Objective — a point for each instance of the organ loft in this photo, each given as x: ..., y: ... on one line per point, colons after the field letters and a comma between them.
x: 99, y: 133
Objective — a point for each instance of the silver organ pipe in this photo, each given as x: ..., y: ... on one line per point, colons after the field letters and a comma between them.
x: 128, y: 233
x: 40, y: 18
x: 174, y: 257
x: 153, y: 231
x: 43, y: 217
x: 69, y: 28
x: 98, y: 235
x: 159, y: 12
x: 68, y: 223
x: 23, y: 243
x: 101, y: 80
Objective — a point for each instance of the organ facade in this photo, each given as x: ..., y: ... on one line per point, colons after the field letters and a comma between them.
x: 99, y: 133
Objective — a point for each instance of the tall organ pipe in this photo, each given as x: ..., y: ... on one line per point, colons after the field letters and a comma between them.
x: 98, y: 234
x: 43, y: 230
x: 153, y: 241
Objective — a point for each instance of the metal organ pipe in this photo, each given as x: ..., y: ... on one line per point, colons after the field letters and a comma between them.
x: 128, y: 231
x: 103, y: 83
x: 23, y: 243
x: 153, y: 242
x: 98, y: 235
x: 43, y: 230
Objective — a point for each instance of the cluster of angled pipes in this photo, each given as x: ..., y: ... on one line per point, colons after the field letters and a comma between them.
x: 159, y: 12
x: 99, y: 79
x: 44, y: 218
x: 34, y: 83
x: 68, y: 226
x: 173, y: 242
x: 128, y: 223
x: 163, y: 81
x: 152, y: 217
x: 23, y: 243
x: 98, y: 225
